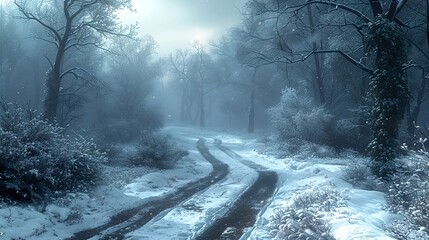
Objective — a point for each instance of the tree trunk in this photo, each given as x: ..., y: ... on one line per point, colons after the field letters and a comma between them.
x: 202, y: 120
x: 53, y: 82
x: 318, y: 78
x: 389, y: 95
x: 182, y: 107
x: 413, y: 117
x: 427, y: 21
x: 251, y: 123
x: 251, y: 126
x: 376, y: 7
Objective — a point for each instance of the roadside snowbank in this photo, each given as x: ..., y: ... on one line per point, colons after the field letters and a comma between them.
x: 363, y: 217
x: 79, y: 211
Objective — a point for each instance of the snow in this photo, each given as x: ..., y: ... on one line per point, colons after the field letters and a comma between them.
x: 363, y: 217
x: 159, y: 183
x: 194, y: 215
x: 26, y: 222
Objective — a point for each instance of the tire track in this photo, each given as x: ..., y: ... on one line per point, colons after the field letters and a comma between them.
x: 244, y: 212
x: 134, y: 218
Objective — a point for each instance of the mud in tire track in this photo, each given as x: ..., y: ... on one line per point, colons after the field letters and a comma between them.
x: 245, y: 210
x: 131, y: 219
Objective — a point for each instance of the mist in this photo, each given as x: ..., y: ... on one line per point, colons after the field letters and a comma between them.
x: 127, y: 93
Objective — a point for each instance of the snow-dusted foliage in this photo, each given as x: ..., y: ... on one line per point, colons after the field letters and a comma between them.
x: 296, y: 117
x: 303, y: 217
x: 388, y: 93
x: 125, y: 110
x: 157, y: 150
x: 38, y: 161
x: 113, y: 127
x: 359, y: 174
x: 409, y: 194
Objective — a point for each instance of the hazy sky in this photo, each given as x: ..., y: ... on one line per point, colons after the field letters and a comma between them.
x: 177, y: 23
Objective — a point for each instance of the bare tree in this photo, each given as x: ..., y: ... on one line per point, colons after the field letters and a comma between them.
x: 239, y: 71
x: 378, y: 32
x: 134, y: 74
x: 72, y: 25
x: 124, y: 109
x: 180, y: 67
x: 193, y: 70
x: 201, y: 65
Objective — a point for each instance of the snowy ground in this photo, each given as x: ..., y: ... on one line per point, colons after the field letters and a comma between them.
x: 363, y: 216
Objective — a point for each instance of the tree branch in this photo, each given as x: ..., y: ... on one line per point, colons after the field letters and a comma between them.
x: 392, y: 10
x: 30, y: 16
x: 344, y: 7
x: 376, y: 7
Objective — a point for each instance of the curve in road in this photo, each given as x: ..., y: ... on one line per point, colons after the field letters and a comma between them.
x: 132, y: 219
x: 244, y: 212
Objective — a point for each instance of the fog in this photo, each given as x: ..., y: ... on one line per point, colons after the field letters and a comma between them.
x: 180, y: 108
x: 203, y: 63
x: 187, y: 21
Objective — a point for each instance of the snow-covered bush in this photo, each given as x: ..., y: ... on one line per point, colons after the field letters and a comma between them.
x: 409, y: 189
x: 75, y: 216
x: 359, y: 175
x: 350, y: 134
x: 303, y: 218
x: 296, y: 117
x: 115, y: 128
x: 38, y: 161
x: 404, y: 229
x: 409, y: 195
x: 156, y: 150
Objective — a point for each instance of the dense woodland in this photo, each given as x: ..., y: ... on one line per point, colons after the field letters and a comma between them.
x: 75, y: 81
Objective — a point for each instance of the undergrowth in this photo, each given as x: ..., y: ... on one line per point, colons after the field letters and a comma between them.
x: 156, y: 150
x: 38, y: 161
x: 304, y: 217
x: 408, y: 193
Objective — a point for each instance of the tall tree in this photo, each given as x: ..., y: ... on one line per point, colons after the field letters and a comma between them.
x: 181, y: 63
x: 378, y: 30
x: 124, y: 109
x: 418, y: 43
x: 388, y: 91
x: 72, y: 25
x: 260, y: 83
x: 133, y: 73
x: 193, y: 70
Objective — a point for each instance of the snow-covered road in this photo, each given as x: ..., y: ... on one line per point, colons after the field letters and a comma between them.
x: 242, y: 216
x: 193, y: 218
x: 183, y: 203
x: 132, y: 219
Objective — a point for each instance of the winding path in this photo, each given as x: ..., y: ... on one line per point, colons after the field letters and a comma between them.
x: 134, y: 218
x: 244, y: 212
x: 242, y: 215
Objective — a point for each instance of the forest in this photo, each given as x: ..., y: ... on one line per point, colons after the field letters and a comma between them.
x: 90, y: 108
